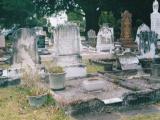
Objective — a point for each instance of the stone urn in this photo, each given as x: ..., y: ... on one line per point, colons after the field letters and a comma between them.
x: 57, y: 81
x: 37, y: 101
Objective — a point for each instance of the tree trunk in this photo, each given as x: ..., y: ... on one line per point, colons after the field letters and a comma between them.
x: 92, y: 19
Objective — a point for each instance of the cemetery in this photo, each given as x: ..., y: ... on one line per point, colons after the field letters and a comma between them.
x: 64, y: 71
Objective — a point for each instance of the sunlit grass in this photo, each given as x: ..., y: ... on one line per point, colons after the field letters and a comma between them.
x: 14, y: 106
x: 143, y: 117
x: 93, y: 68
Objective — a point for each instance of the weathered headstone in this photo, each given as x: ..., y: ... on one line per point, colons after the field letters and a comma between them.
x: 67, y: 45
x: 105, y: 39
x: 155, y: 18
x: 126, y: 30
x: 92, y: 38
x: 147, y: 44
x: 67, y: 39
x: 2, y: 41
x: 141, y: 28
x: 25, y: 47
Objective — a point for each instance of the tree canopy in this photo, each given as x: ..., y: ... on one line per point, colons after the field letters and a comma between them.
x: 22, y: 11
x: 140, y: 9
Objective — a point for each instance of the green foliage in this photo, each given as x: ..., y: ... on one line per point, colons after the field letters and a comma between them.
x: 107, y: 17
x: 78, y: 18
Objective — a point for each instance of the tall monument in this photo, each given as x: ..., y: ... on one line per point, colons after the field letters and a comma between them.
x: 155, y: 18
x: 126, y: 29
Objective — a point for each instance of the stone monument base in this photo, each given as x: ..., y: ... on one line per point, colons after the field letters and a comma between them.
x: 72, y: 65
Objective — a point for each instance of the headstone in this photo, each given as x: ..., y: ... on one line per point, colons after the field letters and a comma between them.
x: 92, y: 38
x: 147, y: 44
x: 105, y: 39
x: 41, y: 41
x: 2, y: 41
x: 126, y: 30
x: 141, y: 28
x: 67, y: 45
x: 26, y: 52
x: 155, y: 18
x: 67, y: 39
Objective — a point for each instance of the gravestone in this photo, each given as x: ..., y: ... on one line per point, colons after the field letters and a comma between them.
x: 92, y: 38
x: 141, y: 28
x: 105, y: 40
x: 2, y: 41
x: 67, y: 45
x: 147, y: 44
x: 126, y: 30
x: 155, y: 18
x: 25, y: 47
x: 67, y: 39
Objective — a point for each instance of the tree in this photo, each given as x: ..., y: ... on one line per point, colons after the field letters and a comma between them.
x: 20, y: 12
x: 140, y: 9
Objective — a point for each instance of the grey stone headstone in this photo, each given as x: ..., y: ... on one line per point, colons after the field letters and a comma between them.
x: 67, y: 39
x: 105, y: 39
x: 2, y: 41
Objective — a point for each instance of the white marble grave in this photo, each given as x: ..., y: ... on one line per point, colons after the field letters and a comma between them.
x: 155, y: 18
x: 67, y: 45
x: 105, y: 40
x: 141, y: 28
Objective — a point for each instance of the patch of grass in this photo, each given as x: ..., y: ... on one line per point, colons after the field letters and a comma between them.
x: 93, y: 68
x: 143, y: 117
x: 14, y: 106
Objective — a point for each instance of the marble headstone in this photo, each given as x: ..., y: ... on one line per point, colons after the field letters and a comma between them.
x: 141, y: 28
x: 155, y: 18
x: 147, y: 44
x: 67, y: 45
x: 67, y: 39
x: 126, y: 29
x: 105, y: 39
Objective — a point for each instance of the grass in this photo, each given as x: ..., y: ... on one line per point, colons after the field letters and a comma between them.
x: 14, y: 106
x: 144, y: 117
x: 93, y: 68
